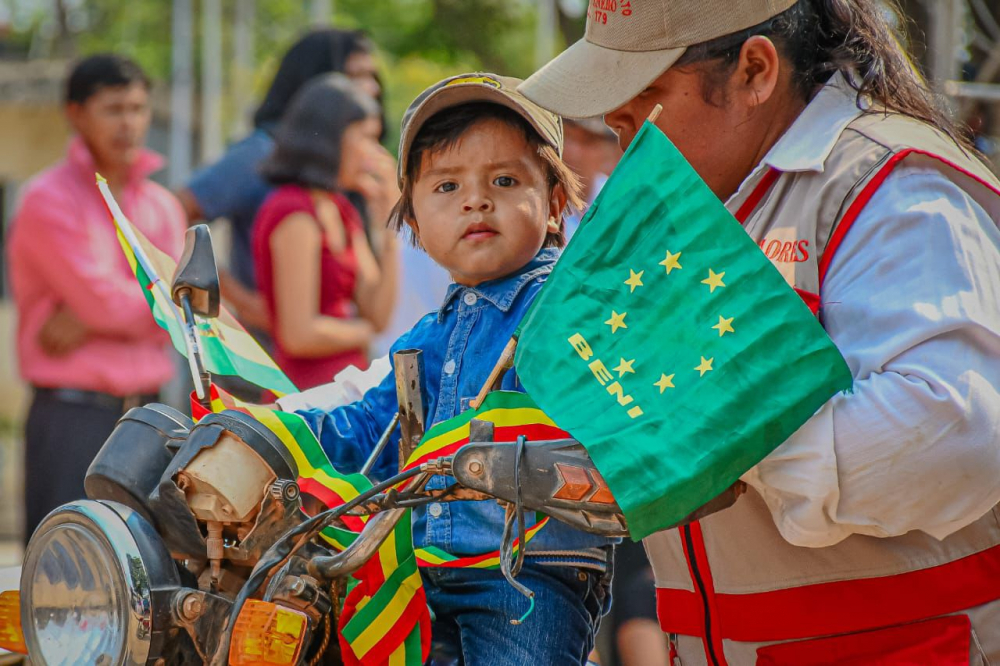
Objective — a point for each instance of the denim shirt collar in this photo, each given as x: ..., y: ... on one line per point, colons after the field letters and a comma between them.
x: 502, y: 292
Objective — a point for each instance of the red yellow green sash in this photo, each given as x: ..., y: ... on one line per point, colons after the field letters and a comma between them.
x: 385, y: 618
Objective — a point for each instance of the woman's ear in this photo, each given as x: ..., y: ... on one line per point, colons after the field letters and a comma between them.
x: 557, y: 204
x: 759, y: 67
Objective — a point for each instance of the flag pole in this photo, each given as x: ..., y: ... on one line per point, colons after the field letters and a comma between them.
x: 655, y: 113
x: 505, y: 361
x: 125, y: 227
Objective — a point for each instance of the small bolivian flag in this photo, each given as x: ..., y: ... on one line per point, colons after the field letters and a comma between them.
x: 667, y: 343
x: 227, y: 349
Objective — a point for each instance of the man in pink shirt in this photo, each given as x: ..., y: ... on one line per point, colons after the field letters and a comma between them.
x: 86, y: 340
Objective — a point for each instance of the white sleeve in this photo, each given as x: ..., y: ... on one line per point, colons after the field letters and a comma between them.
x: 349, y: 385
x: 912, y: 299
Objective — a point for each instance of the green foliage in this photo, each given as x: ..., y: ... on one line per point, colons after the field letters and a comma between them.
x: 140, y: 30
x: 405, y: 78
x: 494, y: 34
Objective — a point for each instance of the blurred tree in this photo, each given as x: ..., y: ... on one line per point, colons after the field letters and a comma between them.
x: 420, y: 41
x: 496, y: 34
x: 423, y: 41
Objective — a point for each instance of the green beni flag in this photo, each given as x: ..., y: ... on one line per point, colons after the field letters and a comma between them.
x: 668, y: 345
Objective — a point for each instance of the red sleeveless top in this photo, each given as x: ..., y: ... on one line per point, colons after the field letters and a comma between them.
x: 338, y: 274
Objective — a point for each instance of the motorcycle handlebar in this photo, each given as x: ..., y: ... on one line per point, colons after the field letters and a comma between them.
x: 282, y: 549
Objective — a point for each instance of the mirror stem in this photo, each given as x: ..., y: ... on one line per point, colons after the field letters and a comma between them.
x: 202, y: 379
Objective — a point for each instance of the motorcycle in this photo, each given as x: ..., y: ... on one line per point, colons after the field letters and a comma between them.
x: 176, y: 559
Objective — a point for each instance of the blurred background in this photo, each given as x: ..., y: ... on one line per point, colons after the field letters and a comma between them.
x: 212, y: 60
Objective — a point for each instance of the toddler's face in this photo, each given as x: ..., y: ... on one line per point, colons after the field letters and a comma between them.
x: 483, y: 206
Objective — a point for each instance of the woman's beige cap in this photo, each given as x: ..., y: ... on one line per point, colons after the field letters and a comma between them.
x: 629, y: 44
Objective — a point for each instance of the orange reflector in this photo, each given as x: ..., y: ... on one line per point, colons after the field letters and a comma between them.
x: 575, y: 482
x: 603, y: 494
x: 11, y: 636
x: 266, y: 633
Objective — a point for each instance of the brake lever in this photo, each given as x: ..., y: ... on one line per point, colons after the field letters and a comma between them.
x: 556, y: 477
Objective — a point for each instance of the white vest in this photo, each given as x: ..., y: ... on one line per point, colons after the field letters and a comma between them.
x: 731, y: 585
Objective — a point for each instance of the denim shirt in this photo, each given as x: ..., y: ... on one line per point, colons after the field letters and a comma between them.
x: 461, y: 343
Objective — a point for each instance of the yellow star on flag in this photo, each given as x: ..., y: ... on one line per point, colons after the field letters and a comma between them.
x: 617, y: 321
x: 706, y: 365
x: 666, y: 381
x: 671, y: 262
x: 724, y: 326
x: 625, y: 367
x: 634, y: 280
x: 714, y: 280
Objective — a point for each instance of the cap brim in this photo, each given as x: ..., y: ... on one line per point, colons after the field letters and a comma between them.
x: 589, y: 80
x: 457, y: 95
x: 466, y: 94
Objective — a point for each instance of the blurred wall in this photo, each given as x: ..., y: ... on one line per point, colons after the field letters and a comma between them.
x: 33, y: 133
x: 33, y: 136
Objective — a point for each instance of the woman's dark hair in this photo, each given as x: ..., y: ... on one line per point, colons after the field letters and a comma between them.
x: 446, y: 128
x: 307, y: 143
x: 319, y: 52
x: 822, y: 37
x: 104, y: 70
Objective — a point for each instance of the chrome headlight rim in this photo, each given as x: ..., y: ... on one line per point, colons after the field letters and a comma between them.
x: 137, y: 559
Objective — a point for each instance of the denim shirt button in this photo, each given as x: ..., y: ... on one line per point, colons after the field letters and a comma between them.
x: 470, y: 298
x: 449, y: 366
x: 435, y: 510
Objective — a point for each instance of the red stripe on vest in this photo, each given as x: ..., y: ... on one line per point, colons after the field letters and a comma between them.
x: 705, y: 571
x: 810, y: 299
x: 839, y: 607
x: 866, y: 194
x: 765, y: 185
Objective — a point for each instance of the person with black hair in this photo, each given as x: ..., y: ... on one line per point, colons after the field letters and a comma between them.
x: 233, y: 188
x: 871, y: 535
x: 86, y: 341
x: 325, y: 292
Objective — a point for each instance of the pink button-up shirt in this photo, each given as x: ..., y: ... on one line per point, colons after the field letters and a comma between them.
x: 63, y: 250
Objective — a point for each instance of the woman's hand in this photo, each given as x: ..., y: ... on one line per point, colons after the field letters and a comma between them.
x: 377, y: 184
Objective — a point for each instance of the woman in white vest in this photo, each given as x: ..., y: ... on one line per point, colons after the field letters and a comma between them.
x: 872, y: 534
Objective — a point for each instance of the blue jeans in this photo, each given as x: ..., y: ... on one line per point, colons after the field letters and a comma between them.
x: 473, y: 609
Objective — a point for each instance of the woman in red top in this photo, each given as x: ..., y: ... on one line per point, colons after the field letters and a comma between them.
x: 326, y: 293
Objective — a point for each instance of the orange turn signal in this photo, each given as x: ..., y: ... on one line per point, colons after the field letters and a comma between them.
x: 11, y: 636
x: 266, y: 634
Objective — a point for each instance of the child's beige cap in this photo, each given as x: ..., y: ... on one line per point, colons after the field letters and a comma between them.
x: 475, y: 87
x: 630, y: 43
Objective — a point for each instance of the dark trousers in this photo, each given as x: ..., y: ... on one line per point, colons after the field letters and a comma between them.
x: 61, y: 439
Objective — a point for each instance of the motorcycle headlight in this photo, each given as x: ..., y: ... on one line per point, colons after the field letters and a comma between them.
x: 88, y: 586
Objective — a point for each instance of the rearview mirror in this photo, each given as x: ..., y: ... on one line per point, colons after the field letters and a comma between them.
x: 197, y: 273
